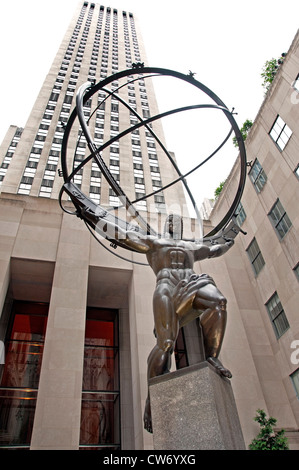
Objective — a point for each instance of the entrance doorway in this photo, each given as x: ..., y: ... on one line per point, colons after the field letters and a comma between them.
x: 100, y: 413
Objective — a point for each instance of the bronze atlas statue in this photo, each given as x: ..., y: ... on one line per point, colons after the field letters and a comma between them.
x: 180, y: 295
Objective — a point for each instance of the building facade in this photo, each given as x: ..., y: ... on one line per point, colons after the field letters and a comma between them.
x: 262, y: 269
x: 77, y: 320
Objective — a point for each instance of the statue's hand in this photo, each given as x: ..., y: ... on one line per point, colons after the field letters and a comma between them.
x: 229, y: 241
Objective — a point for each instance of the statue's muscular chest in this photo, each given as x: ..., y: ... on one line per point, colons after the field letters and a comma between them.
x: 172, y: 254
x: 177, y: 258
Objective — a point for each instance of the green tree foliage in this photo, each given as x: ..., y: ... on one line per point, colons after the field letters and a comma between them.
x: 218, y: 190
x: 269, y: 71
x: 244, y: 131
x: 268, y: 439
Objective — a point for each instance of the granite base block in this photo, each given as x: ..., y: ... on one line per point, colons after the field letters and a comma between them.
x: 194, y: 409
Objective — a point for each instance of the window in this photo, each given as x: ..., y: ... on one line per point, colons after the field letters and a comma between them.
x: 19, y: 383
x: 280, y: 133
x: 277, y: 316
x: 159, y: 199
x: 257, y: 176
x: 295, y: 380
x: 280, y: 219
x: 47, y: 183
x: 100, y: 415
x: 27, y: 180
x: 255, y: 256
x: 54, y: 96
x: 296, y: 270
x: 240, y: 214
x: 68, y: 99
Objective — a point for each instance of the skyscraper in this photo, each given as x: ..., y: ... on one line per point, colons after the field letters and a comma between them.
x: 99, y: 42
x: 76, y: 320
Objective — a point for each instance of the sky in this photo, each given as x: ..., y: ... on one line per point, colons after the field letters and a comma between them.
x: 225, y: 43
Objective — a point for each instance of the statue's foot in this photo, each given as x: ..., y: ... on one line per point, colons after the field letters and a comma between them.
x: 147, y: 418
x: 217, y: 364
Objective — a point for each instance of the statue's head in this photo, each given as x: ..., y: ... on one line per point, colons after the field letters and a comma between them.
x: 173, y: 227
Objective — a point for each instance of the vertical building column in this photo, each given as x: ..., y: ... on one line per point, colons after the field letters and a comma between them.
x: 57, y: 417
x: 10, y: 217
x: 142, y: 341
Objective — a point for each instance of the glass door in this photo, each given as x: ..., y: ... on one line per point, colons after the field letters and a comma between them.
x: 21, y: 371
x: 100, y: 414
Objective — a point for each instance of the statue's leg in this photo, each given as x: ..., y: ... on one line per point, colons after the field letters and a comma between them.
x: 213, y: 323
x: 166, y: 329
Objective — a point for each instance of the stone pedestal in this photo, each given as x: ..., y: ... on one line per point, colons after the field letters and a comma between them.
x: 194, y: 409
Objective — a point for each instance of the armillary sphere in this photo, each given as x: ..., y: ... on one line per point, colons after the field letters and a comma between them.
x: 226, y: 228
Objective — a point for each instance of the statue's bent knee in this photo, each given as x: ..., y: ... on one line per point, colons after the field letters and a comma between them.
x: 167, y: 345
x: 222, y: 303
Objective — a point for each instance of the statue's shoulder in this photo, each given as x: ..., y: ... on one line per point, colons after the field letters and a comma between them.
x: 186, y: 244
x: 159, y: 242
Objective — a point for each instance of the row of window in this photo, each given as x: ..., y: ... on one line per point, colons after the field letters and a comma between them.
x: 280, y: 133
x: 40, y: 139
x: 10, y: 153
x: 151, y: 146
x: 95, y: 179
x: 49, y: 173
x: 34, y: 157
x: 257, y: 260
x: 274, y: 307
x: 50, y: 170
x: 20, y: 377
x: 282, y: 224
x: 277, y: 214
x: 138, y: 172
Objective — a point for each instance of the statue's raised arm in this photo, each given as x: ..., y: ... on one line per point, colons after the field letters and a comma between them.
x: 202, y: 251
x: 220, y: 249
x: 112, y: 231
